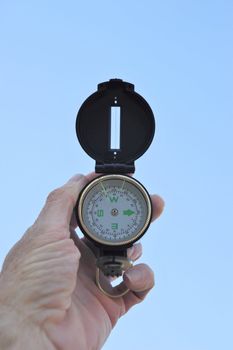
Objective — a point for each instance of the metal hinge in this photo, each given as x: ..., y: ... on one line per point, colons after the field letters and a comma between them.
x: 115, y: 168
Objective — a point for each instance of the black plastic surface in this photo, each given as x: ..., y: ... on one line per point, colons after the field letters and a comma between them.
x: 93, y: 126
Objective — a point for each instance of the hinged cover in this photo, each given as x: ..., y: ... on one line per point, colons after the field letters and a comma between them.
x: 115, y: 126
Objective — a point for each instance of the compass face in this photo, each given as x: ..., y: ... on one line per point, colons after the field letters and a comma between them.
x: 114, y: 210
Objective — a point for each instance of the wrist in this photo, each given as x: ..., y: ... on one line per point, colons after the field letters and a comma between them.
x: 10, y: 323
x: 9, y: 328
x: 17, y: 333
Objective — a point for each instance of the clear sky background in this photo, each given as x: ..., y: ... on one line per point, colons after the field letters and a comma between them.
x: 179, y: 55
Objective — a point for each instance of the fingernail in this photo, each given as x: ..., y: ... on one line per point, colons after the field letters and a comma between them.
x: 135, y: 251
x: 130, y: 252
x: 160, y: 199
x: 75, y: 178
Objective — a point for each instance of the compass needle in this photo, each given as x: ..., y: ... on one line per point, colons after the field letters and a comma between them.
x: 101, y: 183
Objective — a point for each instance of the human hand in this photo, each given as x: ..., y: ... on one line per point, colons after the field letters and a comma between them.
x: 48, y: 296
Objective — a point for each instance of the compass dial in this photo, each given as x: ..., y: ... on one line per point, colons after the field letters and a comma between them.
x: 114, y: 210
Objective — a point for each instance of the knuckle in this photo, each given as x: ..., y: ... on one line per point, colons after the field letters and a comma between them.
x: 72, y: 250
x: 58, y: 194
x: 77, y: 254
x: 30, y: 233
x: 70, y: 272
x: 30, y: 230
x: 55, y: 195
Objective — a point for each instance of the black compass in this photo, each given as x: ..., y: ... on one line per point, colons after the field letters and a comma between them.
x: 115, y: 126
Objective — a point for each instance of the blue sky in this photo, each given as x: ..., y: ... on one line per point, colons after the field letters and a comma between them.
x: 179, y: 56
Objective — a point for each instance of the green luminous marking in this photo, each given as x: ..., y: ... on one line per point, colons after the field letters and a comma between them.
x: 113, y: 199
x: 128, y: 212
x: 100, y: 212
x: 114, y: 226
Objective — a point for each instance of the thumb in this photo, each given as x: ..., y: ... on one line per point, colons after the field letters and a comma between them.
x: 56, y: 214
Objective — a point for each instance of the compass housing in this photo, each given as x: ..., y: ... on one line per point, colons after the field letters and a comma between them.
x: 82, y: 217
x: 136, y: 126
x: 115, y: 126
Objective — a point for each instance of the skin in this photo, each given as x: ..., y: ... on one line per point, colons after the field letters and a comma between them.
x: 48, y: 296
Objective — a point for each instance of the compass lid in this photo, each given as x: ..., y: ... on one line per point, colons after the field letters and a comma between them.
x: 115, y: 126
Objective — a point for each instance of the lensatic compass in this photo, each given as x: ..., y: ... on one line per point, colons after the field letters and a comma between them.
x: 115, y: 126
